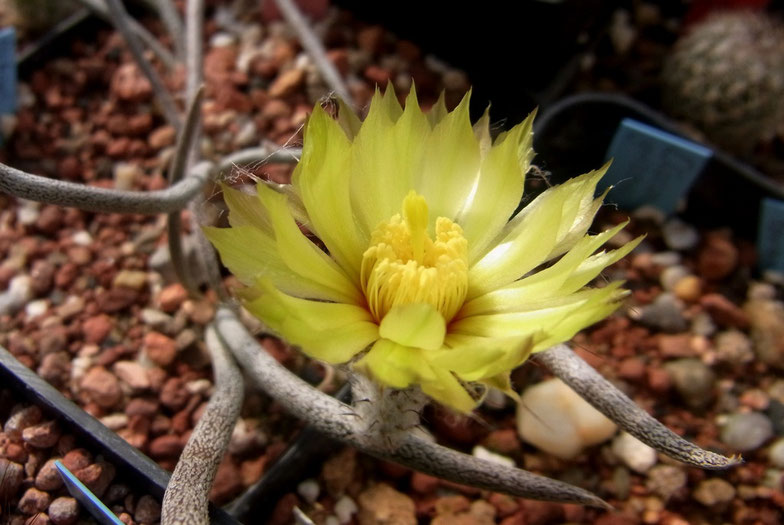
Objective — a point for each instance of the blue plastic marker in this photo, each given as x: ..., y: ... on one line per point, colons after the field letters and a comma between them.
x: 7, y: 71
x: 651, y: 167
x: 770, y: 240
x: 83, y: 495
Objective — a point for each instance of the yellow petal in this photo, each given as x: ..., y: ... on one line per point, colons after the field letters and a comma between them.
x: 348, y: 120
x: 245, y: 210
x: 548, y: 225
x: 549, y: 316
x: 395, y: 365
x: 525, y: 248
x: 248, y: 265
x: 474, y: 358
x: 385, y: 156
x: 302, y: 256
x: 321, y: 181
x: 451, y: 164
x: 438, y: 111
x: 498, y: 189
x: 551, y: 281
x: 448, y: 391
x: 415, y: 325
x: 332, y: 332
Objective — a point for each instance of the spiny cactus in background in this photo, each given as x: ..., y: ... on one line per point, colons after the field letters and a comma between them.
x: 726, y: 77
x: 36, y: 16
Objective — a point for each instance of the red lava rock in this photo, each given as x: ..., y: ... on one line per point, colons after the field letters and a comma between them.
x: 371, y: 38
x: 147, y: 510
x: 286, y: 83
x: 20, y: 419
x: 518, y: 518
x: 77, y: 459
x: 503, y: 441
x: 200, y: 312
x: 55, y: 368
x: 378, y: 75
x: 50, y: 220
x: 614, y: 519
x: 678, y: 345
x: 338, y: 471
x: 504, y: 504
x: 424, y: 483
x: 33, y: 501
x: 173, y: 394
x: 160, y: 349
x: 64, y: 511
x: 129, y: 83
x: 116, y: 299
x: 102, y: 387
x: 452, y: 504
x: 632, y: 368
x: 48, y: 477
x: 162, y: 137
x: 228, y: 482
x: 724, y: 311
x: 41, y: 277
x: 69, y: 168
x: 456, y: 427
x: 139, y: 124
x: 140, y: 406
x: 97, y: 476
x: 12, y: 474
x: 16, y: 452
x: 283, y: 513
x: 659, y: 380
x: 339, y: 57
x: 6, y: 274
x: 382, y: 504
x: 171, y: 297
x: 133, y: 374
x: 542, y: 512
x: 66, y: 275
x: 96, y: 328
x: 717, y: 258
x: 43, y: 435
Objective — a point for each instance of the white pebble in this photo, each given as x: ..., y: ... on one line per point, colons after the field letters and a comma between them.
x: 671, y: 275
x: 666, y: 258
x: 634, y: 453
x: 198, y: 386
x: 27, y: 212
x: 555, y: 419
x: 36, y: 308
x: 344, y: 509
x: 776, y: 453
x: 481, y: 452
x: 18, y: 293
x: 680, y: 236
x: 115, y: 421
x: 222, y: 40
x: 82, y: 238
x: 309, y: 490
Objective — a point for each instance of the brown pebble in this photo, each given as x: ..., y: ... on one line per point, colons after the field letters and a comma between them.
x: 34, y: 501
x: 48, y: 477
x: 42, y: 435
x: 102, y: 387
x: 64, y: 511
x: 159, y: 348
x: 168, y: 446
x: 171, y: 297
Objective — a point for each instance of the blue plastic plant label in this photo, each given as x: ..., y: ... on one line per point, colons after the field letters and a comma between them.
x: 7, y: 71
x: 770, y: 240
x: 651, y: 167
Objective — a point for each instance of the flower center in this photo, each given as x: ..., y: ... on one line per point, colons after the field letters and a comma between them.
x: 403, y: 265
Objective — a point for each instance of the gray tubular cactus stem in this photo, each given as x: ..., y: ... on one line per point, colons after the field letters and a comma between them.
x: 186, y: 498
x: 62, y: 193
x: 120, y: 19
x: 342, y: 422
x: 614, y: 404
x: 314, y: 47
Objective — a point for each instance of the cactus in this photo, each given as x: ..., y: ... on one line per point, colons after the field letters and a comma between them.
x: 726, y: 77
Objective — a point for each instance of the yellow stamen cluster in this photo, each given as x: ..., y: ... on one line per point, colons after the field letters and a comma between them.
x: 403, y: 265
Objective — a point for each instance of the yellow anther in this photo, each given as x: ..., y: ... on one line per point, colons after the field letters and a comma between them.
x: 403, y: 265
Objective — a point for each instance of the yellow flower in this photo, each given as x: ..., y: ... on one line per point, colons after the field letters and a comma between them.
x: 424, y: 277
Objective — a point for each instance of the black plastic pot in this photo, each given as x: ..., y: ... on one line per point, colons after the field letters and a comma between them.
x: 131, y: 464
x: 573, y: 135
